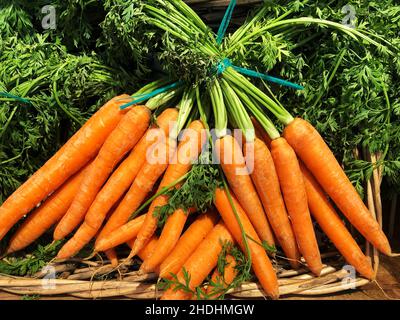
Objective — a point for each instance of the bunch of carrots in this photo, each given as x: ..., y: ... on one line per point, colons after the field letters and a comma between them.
x: 206, y: 227
x: 126, y: 160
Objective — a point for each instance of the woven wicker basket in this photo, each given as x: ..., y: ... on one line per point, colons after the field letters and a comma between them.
x: 80, y: 278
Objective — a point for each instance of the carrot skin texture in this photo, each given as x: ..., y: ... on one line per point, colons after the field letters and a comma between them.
x: 144, y: 182
x: 294, y: 194
x: 121, y: 235
x: 188, y: 150
x: 149, y: 248
x: 267, y: 185
x: 319, y: 159
x: 125, y: 136
x: 234, y: 166
x: 77, y: 152
x: 112, y: 256
x: 333, y: 227
x: 123, y: 177
x: 169, y: 237
x: 261, y: 264
x: 187, y: 243
x: 49, y: 212
x: 148, y: 175
x: 201, y: 262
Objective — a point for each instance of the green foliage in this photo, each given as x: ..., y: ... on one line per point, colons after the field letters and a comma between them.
x: 174, y: 283
x: 30, y: 297
x: 64, y: 90
x: 14, y: 20
x: 350, y: 84
x: 126, y: 33
x: 32, y: 263
x: 352, y: 101
x: 196, y: 192
x: 219, y: 286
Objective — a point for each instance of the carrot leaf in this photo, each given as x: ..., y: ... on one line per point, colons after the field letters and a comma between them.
x: 32, y: 263
x: 175, y: 284
x: 196, y: 192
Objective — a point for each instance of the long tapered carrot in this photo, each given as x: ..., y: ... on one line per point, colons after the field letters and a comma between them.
x: 319, y: 159
x: 119, y: 182
x: 169, y: 237
x: 267, y: 185
x: 188, y: 150
x: 233, y: 164
x: 150, y: 172
x: 261, y: 264
x: 330, y: 223
x: 187, y: 243
x: 83, y: 145
x: 200, y: 263
x: 294, y: 194
x: 152, y: 169
x: 121, y: 235
x: 219, y: 282
x: 148, y: 249
x: 124, y: 175
x: 49, y: 212
x: 125, y: 136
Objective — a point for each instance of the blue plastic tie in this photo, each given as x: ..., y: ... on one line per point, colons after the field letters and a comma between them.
x: 225, y: 63
x: 9, y: 95
x: 145, y: 96
x: 225, y: 21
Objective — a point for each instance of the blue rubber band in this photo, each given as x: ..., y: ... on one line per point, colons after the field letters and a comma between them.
x: 225, y: 63
x: 145, y: 96
x: 9, y: 95
x: 225, y: 21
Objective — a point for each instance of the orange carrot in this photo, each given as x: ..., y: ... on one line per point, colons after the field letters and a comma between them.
x: 83, y: 145
x: 120, y: 141
x: 143, y: 254
x: 222, y: 281
x: 121, y: 235
x: 112, y: 256
x: 321, y: 162
x: 157, y: 162
x: 294, y: 193
x: 148, y: 250
x: 189, y: 241
x: 169, y: 237
x: 200, y: 263
x: 333, y: 227
x: 188, y: 150
x: 126, y: 172
x: 266, y: 181
x: 47, y: 214
x: 261, y: 264
x: 152, y: 169
x: 233, y: 164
